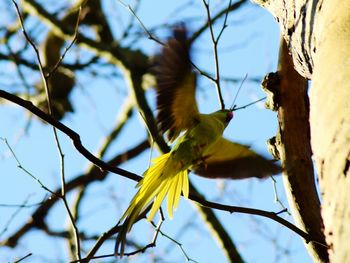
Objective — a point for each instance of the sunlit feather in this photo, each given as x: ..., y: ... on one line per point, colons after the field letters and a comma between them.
x: 163, y: 178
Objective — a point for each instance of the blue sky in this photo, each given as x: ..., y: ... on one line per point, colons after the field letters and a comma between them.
x: 248, y: 46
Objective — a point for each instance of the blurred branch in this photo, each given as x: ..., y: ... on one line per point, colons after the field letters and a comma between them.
x: 119, y: 56
x: 20, y: 72
x: 18, y: 60
x: 21, y: 205
x: 122, y: 118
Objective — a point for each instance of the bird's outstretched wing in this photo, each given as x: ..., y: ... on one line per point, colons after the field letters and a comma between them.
x: 231, y: 160
x: 176, y: 85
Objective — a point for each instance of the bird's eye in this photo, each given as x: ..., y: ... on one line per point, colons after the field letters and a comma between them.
x: 229, y: 116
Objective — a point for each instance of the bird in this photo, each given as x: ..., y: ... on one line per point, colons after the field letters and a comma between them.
x: 199, y: 143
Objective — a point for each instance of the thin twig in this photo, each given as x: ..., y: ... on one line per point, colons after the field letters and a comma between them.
x: 23, y: 258
x: 188, y: 259
x: 201, y: 29
x: 225, y: 22
x: 215, y: 41
x: 21, y: 205
x: 12, y: 217
x: 19, y: 165
x: 247, y: 105
x: 154, y: 239
x: 203, y: 73
x: 19, y: 70
x: 143, y: 249
x: 149, y: 34
x: 276, y: 197
x: 36, y: 50
x: 48, y: 97
x: 131, y: 22
x: 239, y: 89
x: 75, y: 37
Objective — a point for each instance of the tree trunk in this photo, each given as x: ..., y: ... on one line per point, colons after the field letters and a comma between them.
x: 318, y: 37
x: 330, y: 123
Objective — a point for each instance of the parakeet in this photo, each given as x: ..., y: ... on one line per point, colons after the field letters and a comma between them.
x: 200, y: 145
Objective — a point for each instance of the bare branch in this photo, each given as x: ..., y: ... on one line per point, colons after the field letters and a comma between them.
x: 188, y: 259
x: 20, y: 166
x: 93, y: 175
x: 149, y: 34
x: 272, y: 215
x: 231, y: 8
x: 36, y: 50
x: 58, y: 63
x: 12, y: 217
x: 23, y: 258
x: 277, y: 199
x: 249, y: 104
x: 48, y: 97
x: 215, y: 41
x: 75, y: 137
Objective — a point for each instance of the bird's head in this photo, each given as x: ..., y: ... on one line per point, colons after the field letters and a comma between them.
x: 224, y: 116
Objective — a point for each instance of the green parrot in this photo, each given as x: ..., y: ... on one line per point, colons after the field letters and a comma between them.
x: 200, y: 147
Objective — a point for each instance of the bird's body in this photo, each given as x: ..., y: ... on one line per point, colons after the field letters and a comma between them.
x: 168, y: 176
x: 194, y: 148
x: 201, y: 148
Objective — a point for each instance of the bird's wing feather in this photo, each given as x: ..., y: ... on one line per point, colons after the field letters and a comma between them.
x: 158, y: 182
x: 176, y: 84
x: 227, y: 159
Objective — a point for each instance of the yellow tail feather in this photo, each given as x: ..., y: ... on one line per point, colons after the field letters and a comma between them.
x: 163, y: 178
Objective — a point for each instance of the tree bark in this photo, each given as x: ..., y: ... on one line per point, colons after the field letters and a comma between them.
x: 293, y: 145
x: 330, y: 122
x: 318, y: 37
